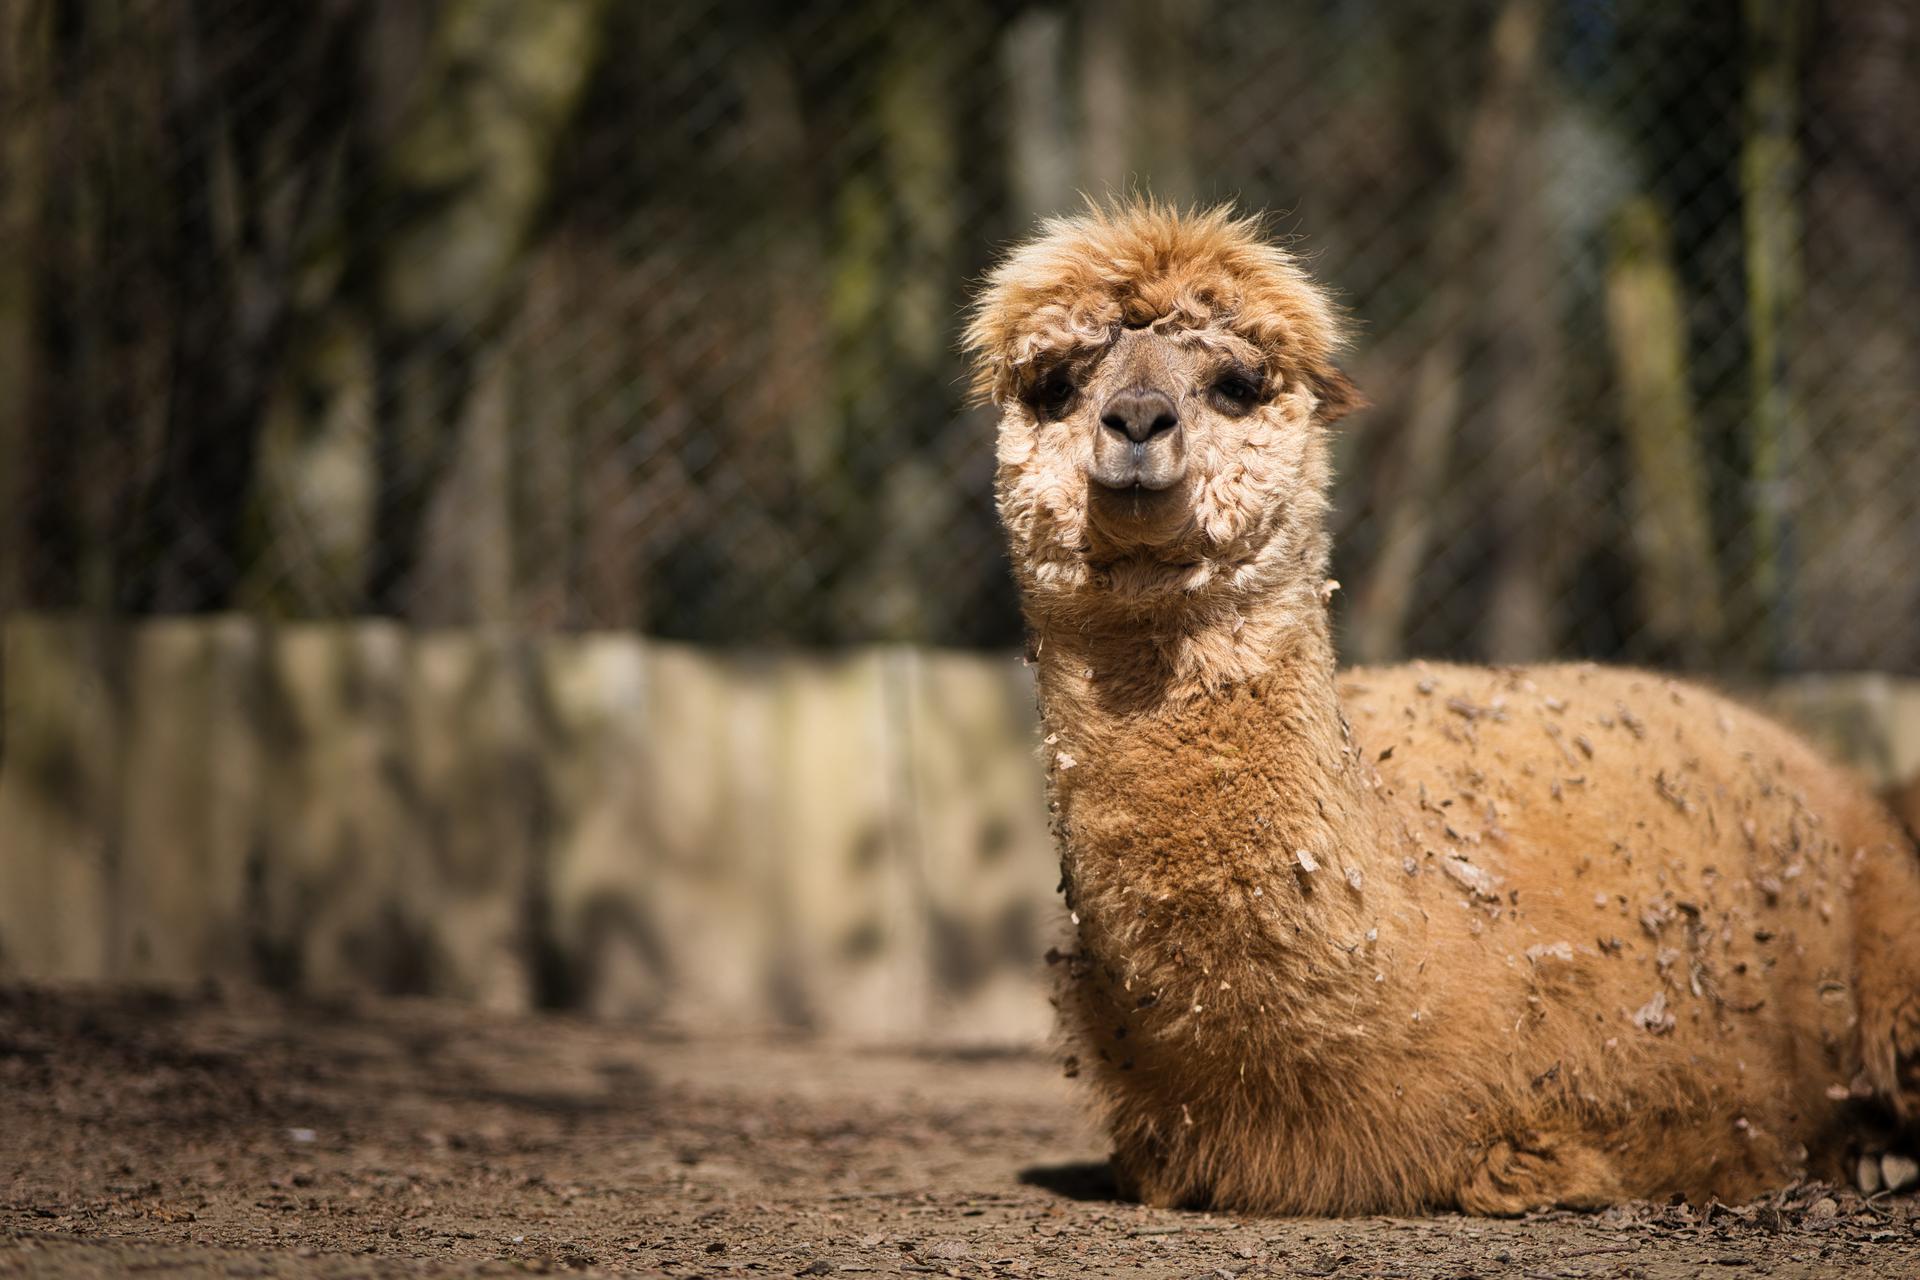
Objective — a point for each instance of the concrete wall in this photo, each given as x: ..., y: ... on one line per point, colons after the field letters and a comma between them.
x: 854, y: 843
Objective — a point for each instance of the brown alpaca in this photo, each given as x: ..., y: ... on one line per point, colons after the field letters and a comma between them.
x: 1406, y: 938
x: 1905, y: 803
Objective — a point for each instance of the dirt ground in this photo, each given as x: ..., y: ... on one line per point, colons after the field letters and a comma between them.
x: 235, y: 1136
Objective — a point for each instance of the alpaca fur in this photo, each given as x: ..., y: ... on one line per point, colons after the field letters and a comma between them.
x: 1905, y: 803
x: 1406, y: 938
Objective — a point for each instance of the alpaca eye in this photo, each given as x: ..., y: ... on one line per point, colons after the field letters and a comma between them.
x: 1053, y: 395
x: 1236, y: 393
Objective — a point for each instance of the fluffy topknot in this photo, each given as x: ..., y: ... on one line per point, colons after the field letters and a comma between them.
x: 1140, y: 262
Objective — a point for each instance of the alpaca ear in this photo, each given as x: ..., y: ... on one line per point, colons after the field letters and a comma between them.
x: 1338, y: 396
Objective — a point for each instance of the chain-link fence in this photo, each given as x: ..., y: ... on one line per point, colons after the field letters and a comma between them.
x: 590, y: 313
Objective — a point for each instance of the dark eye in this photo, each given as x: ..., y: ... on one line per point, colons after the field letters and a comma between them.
x: 1236, y: 392
x: 1053, y: 394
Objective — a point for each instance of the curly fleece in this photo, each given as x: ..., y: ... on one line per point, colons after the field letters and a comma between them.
x: 1420, y: 937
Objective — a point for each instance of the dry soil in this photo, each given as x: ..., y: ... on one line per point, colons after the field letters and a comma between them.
x: 237, y: 1136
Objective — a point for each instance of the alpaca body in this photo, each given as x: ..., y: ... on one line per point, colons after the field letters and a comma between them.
x: 1434, y: 936
x: 1627, y: 965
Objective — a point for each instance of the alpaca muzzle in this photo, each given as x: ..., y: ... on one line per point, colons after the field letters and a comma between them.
x: 1141, y: 444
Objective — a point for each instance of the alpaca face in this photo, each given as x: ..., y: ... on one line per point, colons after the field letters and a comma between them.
x: 1165, y: 380
x: 1168, y: 464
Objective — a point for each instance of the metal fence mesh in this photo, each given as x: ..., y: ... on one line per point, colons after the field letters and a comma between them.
x: 597, y: 314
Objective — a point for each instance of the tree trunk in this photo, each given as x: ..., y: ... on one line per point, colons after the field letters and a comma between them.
x: 1040, y: 160
x: 1855, y: 375
x: 470, y: 160
x: 236, y: 205
x: 1521, y: 352
x: 56, y: 539
x: 22, y: 73
x: 1407, y: 499
x: 1670, y: 522
x: 1769, y: 174
x: 896, y: 264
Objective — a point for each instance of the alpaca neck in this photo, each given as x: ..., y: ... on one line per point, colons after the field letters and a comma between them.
x: 1102, y: 673
x: 1223, y: 845
x: 1098, y: 666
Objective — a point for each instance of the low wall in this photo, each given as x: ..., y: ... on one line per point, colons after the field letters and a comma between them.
x: 853, y: 843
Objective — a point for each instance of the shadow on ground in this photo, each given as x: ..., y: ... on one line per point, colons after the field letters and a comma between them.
x: 1076, y: 1180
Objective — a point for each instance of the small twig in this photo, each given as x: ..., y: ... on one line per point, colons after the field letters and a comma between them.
x: 1598, y: 1249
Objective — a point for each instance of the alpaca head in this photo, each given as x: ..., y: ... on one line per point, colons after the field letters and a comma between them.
x: 1164, y: 380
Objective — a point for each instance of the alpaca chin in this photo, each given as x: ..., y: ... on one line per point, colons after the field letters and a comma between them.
x: 1142, y: 580
x: 1141, y: 522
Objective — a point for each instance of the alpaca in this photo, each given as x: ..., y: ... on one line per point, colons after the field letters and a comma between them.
x: 1407, y: 938
x: 1905, y: 803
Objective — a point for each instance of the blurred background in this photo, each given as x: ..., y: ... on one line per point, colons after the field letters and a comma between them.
x: 488, y: 504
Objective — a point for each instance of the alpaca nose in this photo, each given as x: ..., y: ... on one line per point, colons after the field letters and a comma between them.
x: 1139, y: 414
